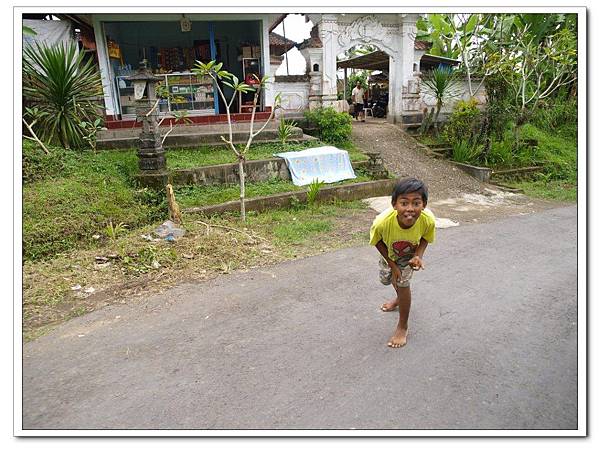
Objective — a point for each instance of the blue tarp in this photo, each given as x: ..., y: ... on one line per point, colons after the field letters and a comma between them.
x: 328, y: 164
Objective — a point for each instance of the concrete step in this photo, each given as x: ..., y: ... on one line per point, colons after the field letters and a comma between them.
x: 221, y: 128
x: 443, y: 145
x: 194, y: 136
x: 411, y: 128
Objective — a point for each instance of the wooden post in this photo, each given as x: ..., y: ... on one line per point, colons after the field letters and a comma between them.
x: 345, y: 81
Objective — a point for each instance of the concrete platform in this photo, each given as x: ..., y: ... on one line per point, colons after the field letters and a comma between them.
x: 195, y: 135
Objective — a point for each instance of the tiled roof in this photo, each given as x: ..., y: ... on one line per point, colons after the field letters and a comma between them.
x: 422, y: 45
x: 279, y: 45
x: 313, y: 42
x: 276, y: 40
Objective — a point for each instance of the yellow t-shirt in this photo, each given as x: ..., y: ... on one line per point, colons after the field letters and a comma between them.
x: 402, y: 242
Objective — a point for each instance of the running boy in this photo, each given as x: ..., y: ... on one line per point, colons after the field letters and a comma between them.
x: 401, y: 234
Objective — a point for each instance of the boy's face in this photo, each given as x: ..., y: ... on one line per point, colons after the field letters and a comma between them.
x: 409, y: 207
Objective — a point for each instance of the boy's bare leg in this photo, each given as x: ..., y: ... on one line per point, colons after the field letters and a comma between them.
x: 399, y: 337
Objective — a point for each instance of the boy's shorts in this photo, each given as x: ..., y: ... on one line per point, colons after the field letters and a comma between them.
x: 385, y: 274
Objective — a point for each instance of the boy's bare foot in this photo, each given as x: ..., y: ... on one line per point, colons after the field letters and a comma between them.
x: 399, y: 338
x: 390, y: 306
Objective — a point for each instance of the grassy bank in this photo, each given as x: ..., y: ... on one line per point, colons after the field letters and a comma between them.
x: 207, y: 156
x: 70, y: 197
x: 554, y: 150
x: 73, y: 199
x: 189, y: 196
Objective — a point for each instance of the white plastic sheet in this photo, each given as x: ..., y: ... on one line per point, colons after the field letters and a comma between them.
x: 328, y: 164
x: 48, y: 32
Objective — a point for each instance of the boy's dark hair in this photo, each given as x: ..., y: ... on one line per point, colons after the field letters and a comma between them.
x: 407, y: 186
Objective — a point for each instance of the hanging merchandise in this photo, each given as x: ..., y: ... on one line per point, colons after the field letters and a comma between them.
x: 202, y: 51
x: 114, y: 51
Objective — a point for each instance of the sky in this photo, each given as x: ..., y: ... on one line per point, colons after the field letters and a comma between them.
x: 297, y: 30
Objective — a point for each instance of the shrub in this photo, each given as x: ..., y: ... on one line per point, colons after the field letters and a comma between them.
x: 501, y: 152
x: 442, y: 84
x: 559, y: 116
x: 464, y: 152
x: 333, y: 127
x: 464, y: 123
x: 60, y: 84
x: 499, y: 110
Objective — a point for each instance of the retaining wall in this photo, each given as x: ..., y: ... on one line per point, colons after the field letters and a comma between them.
x: 354, y: 191
x: 261, y: 170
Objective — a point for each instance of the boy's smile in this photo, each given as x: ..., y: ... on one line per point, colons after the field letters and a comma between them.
x: 409, y: 207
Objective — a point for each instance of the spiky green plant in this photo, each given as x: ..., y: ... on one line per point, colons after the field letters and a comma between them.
x: 286, y: 129
x: 442, y: 84
x: 313, y: 191
x: 61, y: 84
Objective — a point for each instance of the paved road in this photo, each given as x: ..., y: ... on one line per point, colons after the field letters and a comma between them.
x: 492, y: 344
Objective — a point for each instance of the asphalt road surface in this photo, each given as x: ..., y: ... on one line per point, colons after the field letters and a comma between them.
x: 302, y: 345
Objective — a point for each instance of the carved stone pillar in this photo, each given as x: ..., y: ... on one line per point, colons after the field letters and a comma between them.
x: 315, y: 99
x: 151, y: 154
x: 328, y: 32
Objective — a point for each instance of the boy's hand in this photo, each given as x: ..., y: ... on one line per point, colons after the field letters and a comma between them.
x: 396, y: 274
x: 416, y: 263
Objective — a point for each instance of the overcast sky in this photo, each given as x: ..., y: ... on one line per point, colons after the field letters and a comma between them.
x: 297, y: 30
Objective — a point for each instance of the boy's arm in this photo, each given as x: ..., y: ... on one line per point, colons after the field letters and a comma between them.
x: 384, y: 252
x: 417, y: 261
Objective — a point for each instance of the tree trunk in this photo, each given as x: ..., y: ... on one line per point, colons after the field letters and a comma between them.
x: 435, y: 119
x: 242, y: 188
x: 486, y: 134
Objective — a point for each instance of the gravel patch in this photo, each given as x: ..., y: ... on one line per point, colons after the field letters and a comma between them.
x: 404, y: 157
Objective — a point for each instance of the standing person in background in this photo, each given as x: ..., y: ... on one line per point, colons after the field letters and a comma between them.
x: 358, y: 99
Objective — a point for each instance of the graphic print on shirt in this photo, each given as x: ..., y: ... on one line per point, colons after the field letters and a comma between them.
x: 404, y: 250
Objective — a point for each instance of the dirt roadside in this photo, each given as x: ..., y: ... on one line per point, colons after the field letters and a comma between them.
x: 455, y: 197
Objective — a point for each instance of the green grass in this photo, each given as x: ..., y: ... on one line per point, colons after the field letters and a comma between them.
x: 555, y: 152
x: 189, y: 196
x: 70, y: 196
x: 77, y: 196
x: 298, y: 231
x: 430, y: 139
x: 208, y: 156
x: 265, y: 238
x: 301, y: 224
x: 552, y: 190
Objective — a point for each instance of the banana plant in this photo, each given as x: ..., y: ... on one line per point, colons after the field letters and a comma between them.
x: 464, y: 37
x: 216, y: 72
